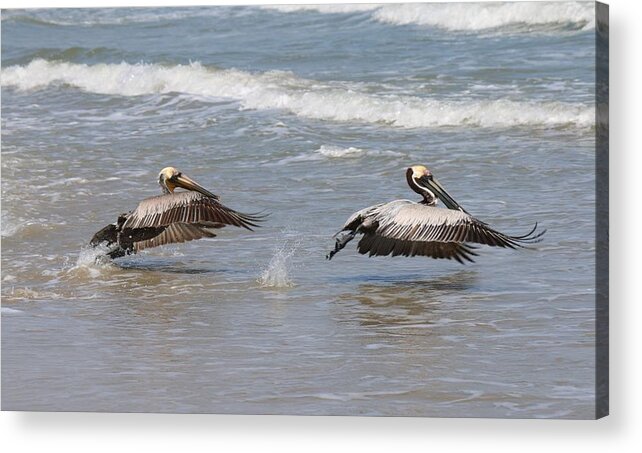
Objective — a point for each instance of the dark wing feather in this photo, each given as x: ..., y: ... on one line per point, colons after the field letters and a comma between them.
x: 373, y: 244
x: 406, y: 228
x: 175, y: 233
x: 187, y: 208
x: 109, y: 234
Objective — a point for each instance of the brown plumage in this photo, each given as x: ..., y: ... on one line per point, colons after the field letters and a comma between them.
x: 407, y: 228
x: 173, y: 217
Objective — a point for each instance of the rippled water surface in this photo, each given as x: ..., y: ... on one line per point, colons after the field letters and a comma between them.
x: 308, y: 113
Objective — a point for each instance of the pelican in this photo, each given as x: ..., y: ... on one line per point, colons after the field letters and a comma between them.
x: 408, y: 228
x: 174, y: 216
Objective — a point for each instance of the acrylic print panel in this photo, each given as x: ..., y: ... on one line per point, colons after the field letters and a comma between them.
x: 309, y: 113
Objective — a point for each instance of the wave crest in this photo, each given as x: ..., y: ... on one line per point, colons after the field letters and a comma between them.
x: 449, y: 16
x: 467, y: 16
x: 485, y: 16
x: 337, y: 8
x: 334, y: 101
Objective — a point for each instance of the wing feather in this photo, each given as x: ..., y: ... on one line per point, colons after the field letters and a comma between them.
x: 175, y: 233
x: 409, y: 229
x: 187, y: 208
x: 409, y: 221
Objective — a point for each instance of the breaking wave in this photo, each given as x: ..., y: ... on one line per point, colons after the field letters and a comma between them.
x: 346, y: 8
x: 484, y: 16
x: 469, y: 16
x: 448, y: 16
x: 334, y: 101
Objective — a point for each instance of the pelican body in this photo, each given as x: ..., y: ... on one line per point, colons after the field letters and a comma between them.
x: 409, y: 228
x: 170, y: 218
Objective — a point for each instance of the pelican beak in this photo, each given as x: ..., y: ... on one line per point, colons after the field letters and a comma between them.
x: 433, y: 185
x: 189, y: 184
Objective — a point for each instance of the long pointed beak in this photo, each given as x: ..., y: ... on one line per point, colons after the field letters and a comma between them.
x: 189, y: 184
x: 431, y: 183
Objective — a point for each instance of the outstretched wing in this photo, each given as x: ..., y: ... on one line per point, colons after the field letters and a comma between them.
x: 373, y: 244
x: 409, y: 229
x: 175, y: 233
x: 187, y: 208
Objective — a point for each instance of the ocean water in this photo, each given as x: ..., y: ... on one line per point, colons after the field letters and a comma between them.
x: 308, y: 113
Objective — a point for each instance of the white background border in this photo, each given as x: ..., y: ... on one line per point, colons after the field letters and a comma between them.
x: 70, y: 432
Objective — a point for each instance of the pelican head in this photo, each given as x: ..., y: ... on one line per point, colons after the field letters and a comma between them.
x: 421, y: 180
x: 170, y: 178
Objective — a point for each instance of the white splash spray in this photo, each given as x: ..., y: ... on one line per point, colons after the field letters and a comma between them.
x: 91, y: 261
x: 277, y: 272
x: 9, y: 226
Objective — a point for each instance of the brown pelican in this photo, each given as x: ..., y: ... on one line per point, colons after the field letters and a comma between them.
x: 172, y: 217
x: 408, y: 228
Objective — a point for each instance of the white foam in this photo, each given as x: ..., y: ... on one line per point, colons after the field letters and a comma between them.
x: 333, y: 151
x: 483, y: 16
x: 337, y: 151
x: 468, y: 16
x: 91, y: 261
x: 9, y: 226
x: 335, y: 101
x: 25, y: 293
x: 325, y: 9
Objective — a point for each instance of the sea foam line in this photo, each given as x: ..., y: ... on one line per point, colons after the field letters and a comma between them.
x: 484, y: 16
x: 466, y: 16
x: 334, y: 101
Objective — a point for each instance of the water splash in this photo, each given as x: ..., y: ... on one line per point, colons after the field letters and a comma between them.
x: 8, y: 225
x: 91, y: 261
x: 277, y: 272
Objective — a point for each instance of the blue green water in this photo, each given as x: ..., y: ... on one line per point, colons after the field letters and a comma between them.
x: 310, y: 114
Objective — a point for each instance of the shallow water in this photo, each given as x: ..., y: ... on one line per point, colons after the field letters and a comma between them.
x: 309, y: 114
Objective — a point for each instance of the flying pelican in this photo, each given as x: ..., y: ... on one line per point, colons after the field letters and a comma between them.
x: 408, y: 228
x: 171, y: 217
